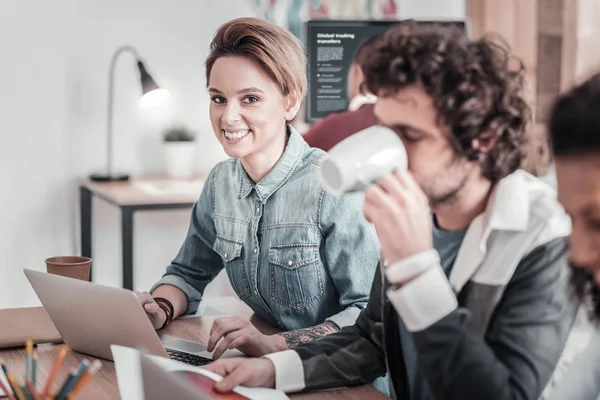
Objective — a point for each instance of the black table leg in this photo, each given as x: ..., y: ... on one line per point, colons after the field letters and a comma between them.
x: 127, y: 245
x: 85, y: 209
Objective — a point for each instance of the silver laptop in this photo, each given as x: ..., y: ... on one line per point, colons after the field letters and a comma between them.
x: 90, y: 317
x: 159, y: 384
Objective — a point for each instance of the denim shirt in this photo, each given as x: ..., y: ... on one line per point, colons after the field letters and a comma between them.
x: 297, y: 255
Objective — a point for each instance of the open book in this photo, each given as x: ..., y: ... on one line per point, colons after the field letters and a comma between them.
x: 162, y: 377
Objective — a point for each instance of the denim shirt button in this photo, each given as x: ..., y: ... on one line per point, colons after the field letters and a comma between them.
x: 258, y: 210
x: 290, y: 262
x: 225, y: 255
x: 255, y: 250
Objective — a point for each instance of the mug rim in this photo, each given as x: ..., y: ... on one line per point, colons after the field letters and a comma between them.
x: 77, y: 260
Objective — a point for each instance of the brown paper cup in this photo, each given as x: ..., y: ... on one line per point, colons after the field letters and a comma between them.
x: 70, y: 266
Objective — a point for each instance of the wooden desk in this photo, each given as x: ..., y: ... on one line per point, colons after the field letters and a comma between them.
x: 129, y: 197
x: 104, y: 384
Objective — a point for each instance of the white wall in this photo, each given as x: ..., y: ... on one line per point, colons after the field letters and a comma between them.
x: 432, y: 9
x: 53, y: 92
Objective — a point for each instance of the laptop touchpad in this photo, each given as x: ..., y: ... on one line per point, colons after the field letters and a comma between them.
x: 186, y: 346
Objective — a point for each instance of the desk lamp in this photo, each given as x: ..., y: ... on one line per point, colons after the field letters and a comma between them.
x: 152, y: 95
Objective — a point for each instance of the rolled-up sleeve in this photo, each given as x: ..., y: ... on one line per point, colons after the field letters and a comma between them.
x: 351, y: 253
x: 196, y: 263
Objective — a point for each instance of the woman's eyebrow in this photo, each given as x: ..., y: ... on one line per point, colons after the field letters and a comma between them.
x: 241, y: 91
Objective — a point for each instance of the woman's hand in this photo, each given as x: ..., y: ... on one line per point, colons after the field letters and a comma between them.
x: 239, y: 333
x: 156, y: 314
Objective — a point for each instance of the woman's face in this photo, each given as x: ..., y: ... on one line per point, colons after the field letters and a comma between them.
x: 248, y: 111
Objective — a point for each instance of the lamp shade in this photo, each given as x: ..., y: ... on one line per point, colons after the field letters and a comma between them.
x: 152, y: 94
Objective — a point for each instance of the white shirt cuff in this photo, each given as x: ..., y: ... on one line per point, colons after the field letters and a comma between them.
x: 410, y: 267
x: 289, y: 372
x: 424, y: 300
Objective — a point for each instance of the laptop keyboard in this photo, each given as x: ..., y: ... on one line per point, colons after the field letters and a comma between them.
x: 188, y: 358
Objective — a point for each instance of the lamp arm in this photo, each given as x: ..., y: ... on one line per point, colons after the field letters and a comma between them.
x: 111, y: 85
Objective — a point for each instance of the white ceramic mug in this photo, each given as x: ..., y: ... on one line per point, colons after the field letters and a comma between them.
x: 362, y: 159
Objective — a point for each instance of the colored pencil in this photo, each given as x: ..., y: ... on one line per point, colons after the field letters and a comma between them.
x: 32, y: 393
x: 71, y: 380
x: 13, y: 383
x: 34, y: 372
x: 28, y: 358
x: 54, y: 371
x: 7, y: 392
x: 25, y: 392
x: 85, y: 377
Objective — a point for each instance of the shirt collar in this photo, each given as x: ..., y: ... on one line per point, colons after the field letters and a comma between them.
x: 280, y: 173
x: 510, y: 203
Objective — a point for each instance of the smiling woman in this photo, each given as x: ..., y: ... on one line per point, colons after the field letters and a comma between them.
x: 254, y: 93
x: 302, y: 259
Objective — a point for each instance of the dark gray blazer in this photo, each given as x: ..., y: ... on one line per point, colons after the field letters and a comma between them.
x: 498, y: 344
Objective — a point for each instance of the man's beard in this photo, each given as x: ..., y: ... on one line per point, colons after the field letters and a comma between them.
x: 582, y: 284
x: 444, y: 188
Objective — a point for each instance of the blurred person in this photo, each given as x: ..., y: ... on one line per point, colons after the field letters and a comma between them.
x: 335, y: 127
x: 574, y: 128
x: 469, y: 301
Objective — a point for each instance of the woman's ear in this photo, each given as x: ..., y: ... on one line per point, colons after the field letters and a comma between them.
x: 292, y: 105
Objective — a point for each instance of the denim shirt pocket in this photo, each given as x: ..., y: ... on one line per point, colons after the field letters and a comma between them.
x: 296, y: 275
x: 231, y: 252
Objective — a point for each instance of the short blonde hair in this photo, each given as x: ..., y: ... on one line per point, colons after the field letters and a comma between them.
x: 274, y: 48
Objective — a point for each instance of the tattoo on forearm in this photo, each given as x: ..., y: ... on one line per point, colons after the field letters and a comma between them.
x: 299, y: 336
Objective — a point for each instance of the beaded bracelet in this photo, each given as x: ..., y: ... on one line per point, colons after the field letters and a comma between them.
x: 167, y: 307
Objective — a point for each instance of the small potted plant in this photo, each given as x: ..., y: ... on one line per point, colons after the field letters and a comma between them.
x: 180, y: 152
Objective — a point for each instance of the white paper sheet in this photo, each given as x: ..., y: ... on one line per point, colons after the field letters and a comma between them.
x: 171, y: 187
x: 129, y: 377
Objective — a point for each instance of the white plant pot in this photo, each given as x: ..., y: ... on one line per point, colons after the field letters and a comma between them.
x: 180, y: 158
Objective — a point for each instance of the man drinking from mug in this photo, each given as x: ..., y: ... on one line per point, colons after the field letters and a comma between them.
x: 478, y: 309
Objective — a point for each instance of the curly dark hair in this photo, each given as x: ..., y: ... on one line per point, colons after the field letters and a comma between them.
x: 575, y: 120
x: 364, y: 50
x: 476, y: 88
